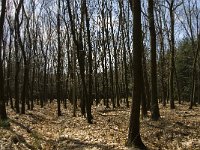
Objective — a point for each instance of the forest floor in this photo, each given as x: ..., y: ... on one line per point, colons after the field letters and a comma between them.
x: 42, y: 129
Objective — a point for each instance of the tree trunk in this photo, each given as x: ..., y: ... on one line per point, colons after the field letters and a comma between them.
x: 32, y: 87
x: 162, y: 57
x: 144, y: 96
x: 146, y: 82
x: 154, y: 100
x: 110, y: 64
x: 74, y: 82
x: 58, y: 75
x: 96, y: 78
x: 9, y: 94
x: 115, y: 61
x: 25, y: 85
x: 134, y: 139
x: 3, y: 114
x: 172, y: 105
x: 88, y: 102
x: 105, y: 93
x: 126, y: 91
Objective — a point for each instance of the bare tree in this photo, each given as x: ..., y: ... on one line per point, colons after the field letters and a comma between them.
x: 172, y: 47
x: 58, y: 76
x: 81, y: 59
x: 154, y: 100
x: 17, y: 56
x: 134, y: 139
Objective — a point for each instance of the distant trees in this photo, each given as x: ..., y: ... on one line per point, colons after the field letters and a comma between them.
x: 184, y: 67
x: 85, y: 52
x: 191, y: 26
x: 86, y: 98
x: 162, y: 68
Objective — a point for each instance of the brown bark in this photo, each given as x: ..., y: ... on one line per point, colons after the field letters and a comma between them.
x: 154, y: 100
x: 134, y: 139
x: 58, y: 75
x: 3, y: 114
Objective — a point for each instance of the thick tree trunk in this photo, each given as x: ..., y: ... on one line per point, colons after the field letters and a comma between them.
x: 17, y: 69
x: 44, y: 97
x: 154, y: 100
x: 90, y: 99
x: 115, y: 62
x: 134, y: 139
x: 9, y: 94
x: 58, y: 75
x: 111, y: 94
x: 172, y: 105
x: 32, y: 87
x: 3, y: 114
x: 178, y: 88
x: 96, y: 78
x: 105, y: 61
x: 74, y: 82
x: 145, y: 98
x: 146, y: 82
x: 25, y: 85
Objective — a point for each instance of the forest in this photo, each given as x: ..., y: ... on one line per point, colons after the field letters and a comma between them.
x: 99, y: 75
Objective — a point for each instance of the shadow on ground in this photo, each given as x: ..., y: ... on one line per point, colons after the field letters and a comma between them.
x: 63, y: 143
x: 75, y: 144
